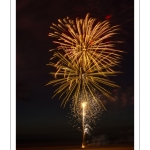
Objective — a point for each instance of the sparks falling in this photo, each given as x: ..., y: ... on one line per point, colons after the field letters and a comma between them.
x: 86, y: 114
x: 92, y: 109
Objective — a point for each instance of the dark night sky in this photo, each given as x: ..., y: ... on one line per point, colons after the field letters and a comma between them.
x: 37, y: 115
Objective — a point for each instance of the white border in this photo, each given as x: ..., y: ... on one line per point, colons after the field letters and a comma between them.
x: 136, y: 75
x: 5, y: 75
x: 6, y: 143
x: 13, y: 75
x: 144, y: 75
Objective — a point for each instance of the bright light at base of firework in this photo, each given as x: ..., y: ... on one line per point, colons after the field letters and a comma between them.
x: 83, y: 146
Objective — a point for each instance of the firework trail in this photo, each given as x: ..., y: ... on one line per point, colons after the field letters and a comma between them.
x: 92, y: 111
x: 87, y: 112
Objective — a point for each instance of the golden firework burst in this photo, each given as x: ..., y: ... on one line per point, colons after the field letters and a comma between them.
x: 74, y: 80
x: 86, y: 40
x: 86, y: 56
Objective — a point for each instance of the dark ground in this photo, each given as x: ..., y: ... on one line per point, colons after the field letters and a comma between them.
x: 108, y: 147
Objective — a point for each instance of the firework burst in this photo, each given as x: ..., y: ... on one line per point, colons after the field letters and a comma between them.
x: 88, y: 59
x: 73, y: 80
x: 86, y: 40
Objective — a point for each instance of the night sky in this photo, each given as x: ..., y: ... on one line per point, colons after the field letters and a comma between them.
x: 39, y: 118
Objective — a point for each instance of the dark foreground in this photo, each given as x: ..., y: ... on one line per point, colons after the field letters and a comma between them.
x: 78, y: 148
